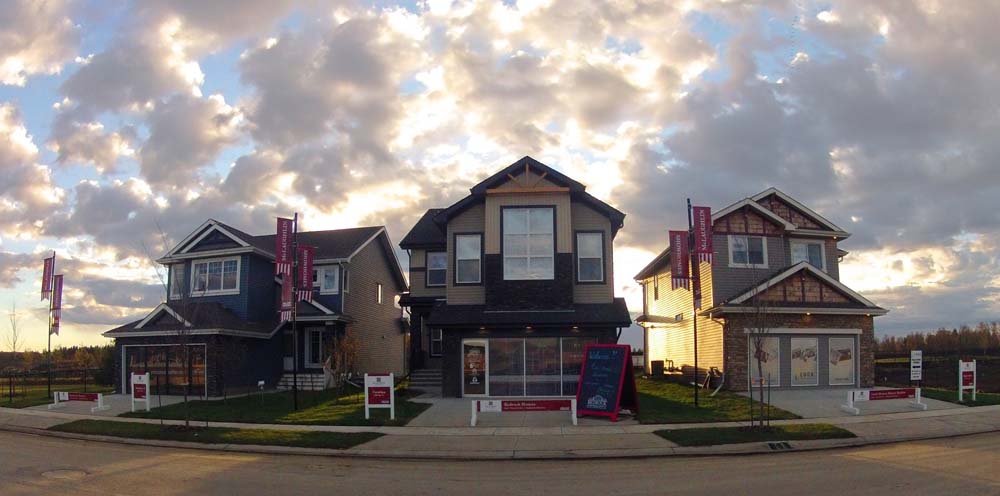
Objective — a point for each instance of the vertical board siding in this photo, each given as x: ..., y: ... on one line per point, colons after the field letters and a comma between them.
x: 588, y: 219
x: 376, y: 326
x: 471, y: 220
x: 561, y: 202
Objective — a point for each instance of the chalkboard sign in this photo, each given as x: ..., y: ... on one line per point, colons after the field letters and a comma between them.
x: 606, y: 381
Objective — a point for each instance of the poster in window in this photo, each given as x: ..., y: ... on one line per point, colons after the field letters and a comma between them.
x: 805, y: 367
x: 474, y: 368
x: 842, y: 362
x: 768, y: 351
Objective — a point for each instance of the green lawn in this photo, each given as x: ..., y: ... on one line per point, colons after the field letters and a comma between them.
x: 315, y: 408
x: 218, y: 435
x: 951, y: 396
x: 38, y: 395
x: 664, y: 402
x: 733, y: 435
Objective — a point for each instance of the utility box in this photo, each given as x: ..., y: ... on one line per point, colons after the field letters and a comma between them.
x: 656, y: 368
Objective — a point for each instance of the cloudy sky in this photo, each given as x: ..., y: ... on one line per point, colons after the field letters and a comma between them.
x: 125, y: 125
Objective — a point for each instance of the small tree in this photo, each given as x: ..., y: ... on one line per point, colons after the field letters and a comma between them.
x: 345, y: 352
x: 14, y: 334
x: 758, y: 325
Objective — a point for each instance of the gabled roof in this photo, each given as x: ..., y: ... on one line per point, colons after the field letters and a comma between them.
x: 748, y: 202
x: 654, y: 265
x: 425, y: 233
x: 195, y: 318
x: 527, y: 162
x: 808, y: 212
x: 857, y: 299
x: 332, y: 244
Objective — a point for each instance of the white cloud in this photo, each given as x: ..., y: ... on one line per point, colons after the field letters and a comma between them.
x: 35, y: 38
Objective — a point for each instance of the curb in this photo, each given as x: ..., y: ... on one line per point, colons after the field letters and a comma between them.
x: 744, y: 449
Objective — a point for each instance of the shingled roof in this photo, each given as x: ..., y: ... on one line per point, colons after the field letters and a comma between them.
x: 426, y: 233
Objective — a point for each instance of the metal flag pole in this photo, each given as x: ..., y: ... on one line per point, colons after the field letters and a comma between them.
x: 295, y: 305
x: 52, y: 291
x: 695, y: 289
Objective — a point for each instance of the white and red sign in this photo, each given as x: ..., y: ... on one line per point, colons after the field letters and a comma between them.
x: 966, y: 379
x: 48, y: 268
x: 140, y: 389
x: 857, y: 395
x: 283, y: 247
x: 60, y: 397
x: 499, y: 406
x: 679, y: 258
x: 380, y: 393
x: 702, y: 233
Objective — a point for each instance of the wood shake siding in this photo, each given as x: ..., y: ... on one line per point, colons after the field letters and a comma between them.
x: 493, y: 221
x: 418, y: 278
x: 587, y: 219
x: 675, y: 340
x: 376, y: 325
x: 469, y: 221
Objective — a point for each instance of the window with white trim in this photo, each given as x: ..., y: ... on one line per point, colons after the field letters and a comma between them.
x: 437, y: 268
x: 176, y: 281
x: 219, y: 276
x: 590, y: 257
x: 468, y: 258
x: 528, y: 243
x: 748, y: 252
x: 809, y: 251
x: 327, y: 279
x: 436, y: 340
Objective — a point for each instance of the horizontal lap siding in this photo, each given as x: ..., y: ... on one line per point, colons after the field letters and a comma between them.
x: 376, y: 326
x: 730, y: 281
x: 588, y: 219
x: 418, y: 278
x: 471, y: 220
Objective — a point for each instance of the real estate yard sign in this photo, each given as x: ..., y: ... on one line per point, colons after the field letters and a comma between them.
x: 606, y: 381
x: 379, y: 394
x: 140, y: 389
x: 966, y: 378
x: 916, y: 365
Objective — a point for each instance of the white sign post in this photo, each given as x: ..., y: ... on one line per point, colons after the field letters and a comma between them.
x: 140, y: 389
x: 966, y: 378
x: 380, y: 393
x: 916, y: 365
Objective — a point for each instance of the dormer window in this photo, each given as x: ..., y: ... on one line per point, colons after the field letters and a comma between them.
x: 528, y: 243
x: 809, y: 251
x: 217, y: 276
x: 748, y: 252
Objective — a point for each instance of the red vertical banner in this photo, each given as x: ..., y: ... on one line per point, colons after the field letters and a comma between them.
x: 283, y: 247
x: 286, y: 299
x: 679, y: 258
x: 48, y: 268
x: 702, y: 233
x: 57, y: 283
x: 305, y: 272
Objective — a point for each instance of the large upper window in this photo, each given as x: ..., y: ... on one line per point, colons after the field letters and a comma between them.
x: 528, y: 243
x: 437, y: 268
x: 747, y: 251
x: 215, y: 276
x: 809, y: 251
x: 327, y: 279
x: 468, y: 258
x: 176, y: 281
x: 590, y: 257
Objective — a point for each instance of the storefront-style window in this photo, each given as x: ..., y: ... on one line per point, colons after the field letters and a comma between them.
x: 506, y: 367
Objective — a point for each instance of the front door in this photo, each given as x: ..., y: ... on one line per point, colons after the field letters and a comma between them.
x: 314, y: 348
x: 474, y: 368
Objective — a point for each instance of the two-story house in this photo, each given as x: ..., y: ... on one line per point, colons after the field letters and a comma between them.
x: 773, y: 291
x: 222, y: 304
x: 510, y: 283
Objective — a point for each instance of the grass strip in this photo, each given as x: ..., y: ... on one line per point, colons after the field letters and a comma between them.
x: 315, y: 408
x: 218, y: 435
x: 711, y: 436
x: 951, y: 396
x: 39, y: 395
x: 666, y: 402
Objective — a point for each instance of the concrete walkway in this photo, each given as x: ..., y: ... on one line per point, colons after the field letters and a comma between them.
x: 512, y: 442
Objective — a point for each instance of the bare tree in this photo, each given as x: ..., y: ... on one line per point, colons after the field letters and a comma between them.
x: 14, y: 334
x: 760, y: 321
x: 345, y: 349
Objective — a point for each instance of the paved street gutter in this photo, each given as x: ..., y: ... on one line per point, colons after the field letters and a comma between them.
x: 712, y: 436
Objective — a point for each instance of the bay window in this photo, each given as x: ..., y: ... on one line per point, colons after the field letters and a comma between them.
x: 748, y: 252
x: 590, y: 257
x: 468, y: 258
x: 220, y: 276
x: 528, y: 243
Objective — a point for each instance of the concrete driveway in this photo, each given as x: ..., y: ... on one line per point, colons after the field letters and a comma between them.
x: 818, y: 403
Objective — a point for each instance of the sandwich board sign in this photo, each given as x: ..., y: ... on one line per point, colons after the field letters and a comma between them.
x: 916, y: 365
x: 140, y: 389
x: 966, y: 378
x: 606, y: 384
x: 379, y: 393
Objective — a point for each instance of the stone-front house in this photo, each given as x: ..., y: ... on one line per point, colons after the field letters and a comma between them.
x: 223, y: 300
x: 510, y: 283
x: 773, y: 257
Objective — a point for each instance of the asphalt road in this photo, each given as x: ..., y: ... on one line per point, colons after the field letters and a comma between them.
x: 43, y: 465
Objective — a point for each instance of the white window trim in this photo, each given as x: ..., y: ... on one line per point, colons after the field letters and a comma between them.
x: 427, y: 269
x: 321, y: 277
x: 176, y: 286
x: 479, y: 258
x: 551, y: 254
x: 218, y: 292
x: 822, y: 250
x: 578, y: 257
x: 747, y: 265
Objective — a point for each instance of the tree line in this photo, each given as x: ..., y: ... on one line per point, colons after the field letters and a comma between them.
x: 983, y: 339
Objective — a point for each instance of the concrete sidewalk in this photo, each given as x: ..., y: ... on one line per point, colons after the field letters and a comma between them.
x: 606, y: 441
